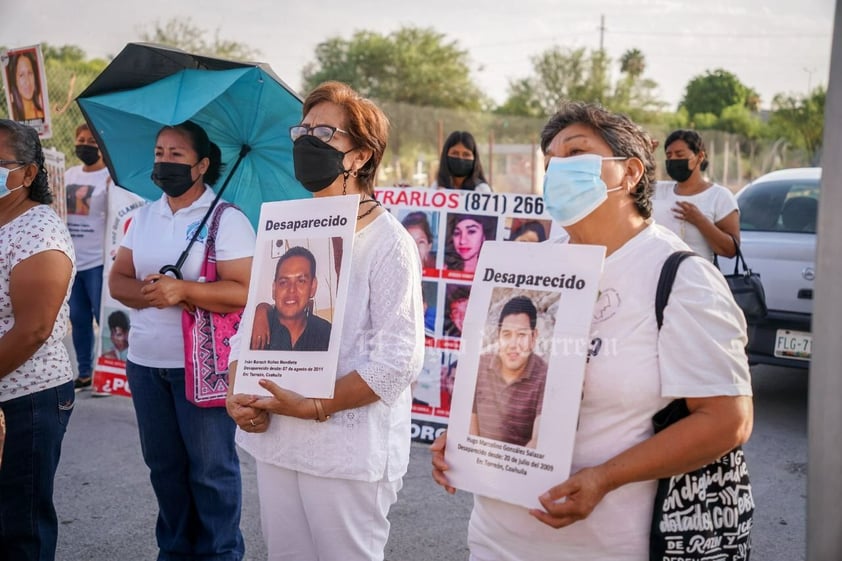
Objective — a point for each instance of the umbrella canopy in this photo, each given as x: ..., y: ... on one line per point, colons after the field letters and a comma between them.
x: 245, y: 109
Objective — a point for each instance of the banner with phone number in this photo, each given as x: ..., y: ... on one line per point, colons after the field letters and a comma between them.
x: 449, y: 228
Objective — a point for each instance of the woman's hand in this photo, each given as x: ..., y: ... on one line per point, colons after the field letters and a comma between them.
x: 260, y: 328
x: 689, y: 212
x: 439, y: 465
x: 572, y: 500
x: 285, y: 402
x: 162, y: 291
x: 248, y: 418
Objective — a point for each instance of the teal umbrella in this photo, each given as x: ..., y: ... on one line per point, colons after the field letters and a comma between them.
x: 245, y: 109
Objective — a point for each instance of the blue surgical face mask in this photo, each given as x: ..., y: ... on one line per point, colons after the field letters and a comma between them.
x: 573, y: 187
x: 4, y: 178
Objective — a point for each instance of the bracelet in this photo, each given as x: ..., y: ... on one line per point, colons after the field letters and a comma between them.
x: 320, y: 411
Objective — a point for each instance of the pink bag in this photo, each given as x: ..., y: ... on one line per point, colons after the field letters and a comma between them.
x: 206, y: 337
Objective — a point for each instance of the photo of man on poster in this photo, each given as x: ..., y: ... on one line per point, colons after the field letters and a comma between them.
x: 290, y: 323
x: 510, y: 381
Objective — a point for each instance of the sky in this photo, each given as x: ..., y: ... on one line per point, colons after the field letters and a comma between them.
x: 773, y: 46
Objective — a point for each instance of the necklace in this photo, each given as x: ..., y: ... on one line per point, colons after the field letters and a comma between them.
x: 369, y: 211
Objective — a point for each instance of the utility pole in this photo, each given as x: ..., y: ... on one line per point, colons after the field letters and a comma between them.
x: 601, y: 33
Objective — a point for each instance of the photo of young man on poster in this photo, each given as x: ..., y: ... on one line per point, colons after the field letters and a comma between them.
x: 290, y: 322
x: 510, y: 381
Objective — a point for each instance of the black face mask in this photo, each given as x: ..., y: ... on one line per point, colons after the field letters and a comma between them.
x: 460, y: 167
x: 174, y: 179
x: 87, y: 153
x: 679, y: 170
x: 317, y: 163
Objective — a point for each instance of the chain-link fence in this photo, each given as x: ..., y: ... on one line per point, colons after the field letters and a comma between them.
x: 509, y: 146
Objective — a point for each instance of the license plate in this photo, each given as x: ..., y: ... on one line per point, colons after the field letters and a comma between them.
x: 793, y: 344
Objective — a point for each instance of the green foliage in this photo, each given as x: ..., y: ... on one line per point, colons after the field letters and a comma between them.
x: 560, y: 74
x: 411, y: 65
x: 182, y: 34
x: 739, y: 119
x: 714, y: 91
x: 703, y: 121
x: 800, y: 120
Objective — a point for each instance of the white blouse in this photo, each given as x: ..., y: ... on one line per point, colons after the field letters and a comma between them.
x: 36, y: 230
x: 383, y: 340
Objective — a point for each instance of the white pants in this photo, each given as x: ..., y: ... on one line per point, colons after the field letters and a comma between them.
x: 310, y: 518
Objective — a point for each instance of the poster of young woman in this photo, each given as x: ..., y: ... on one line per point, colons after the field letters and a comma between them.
x: 25, y: 83
x: 449, y: 228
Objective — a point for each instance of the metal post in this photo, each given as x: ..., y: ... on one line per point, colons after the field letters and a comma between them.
x: 824, y: 484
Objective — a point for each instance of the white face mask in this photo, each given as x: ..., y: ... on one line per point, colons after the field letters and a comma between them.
x: 573, y: 187
x: 4, y: 178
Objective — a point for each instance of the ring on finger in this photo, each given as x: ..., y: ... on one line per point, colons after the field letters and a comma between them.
x: 252, y: 422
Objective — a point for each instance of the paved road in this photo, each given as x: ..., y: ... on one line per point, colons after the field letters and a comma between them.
x: 107, y: 509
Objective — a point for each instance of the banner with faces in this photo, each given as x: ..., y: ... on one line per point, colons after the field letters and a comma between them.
x: 450, y: 228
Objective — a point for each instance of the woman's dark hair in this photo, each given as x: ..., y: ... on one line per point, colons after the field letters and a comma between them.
x: 530, y: 226
x: 445, y: 178
x: 203, y: 146
x: 453, y: 260
x: 12, y: 74
x: 367, y: 125
x: 620, y: 133
x: 694, y: 143
x: 418, y: 219
x: 23, y: 141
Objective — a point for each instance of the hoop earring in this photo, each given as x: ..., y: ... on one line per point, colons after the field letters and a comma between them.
x: 345, y: 175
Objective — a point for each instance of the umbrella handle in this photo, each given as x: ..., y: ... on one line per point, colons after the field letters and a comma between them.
x: 171, y: 269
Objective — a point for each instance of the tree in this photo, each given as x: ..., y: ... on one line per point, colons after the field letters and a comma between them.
x: 558, y: 74
x: 714, y: 91
x: 633, y: 63
x: 182, y: 34
x: 411, y: 65
x: 801, y: 120
x: 634, y: 94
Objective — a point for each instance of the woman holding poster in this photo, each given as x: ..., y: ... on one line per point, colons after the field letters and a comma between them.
x: 326, y: 487
x: 600, y: 172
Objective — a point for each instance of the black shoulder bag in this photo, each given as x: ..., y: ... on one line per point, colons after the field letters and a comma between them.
x: 705, y: 514
x: 746, y: 287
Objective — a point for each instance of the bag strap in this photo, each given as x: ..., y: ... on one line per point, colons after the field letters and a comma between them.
x: 665, y: 282
x: 210, y: 242
x: 738, y: 259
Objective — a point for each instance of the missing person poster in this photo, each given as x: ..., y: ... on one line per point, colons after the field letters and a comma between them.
x: 114, y: 323
x: 522, y: 360
x: 292, y: 322
x: 449, y: 228
x: 25, y: 83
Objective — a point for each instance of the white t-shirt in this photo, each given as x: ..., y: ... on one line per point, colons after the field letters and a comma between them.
x: 87, y: 204
x: 157, y: 237
x: 635, y: 372
x: 716, y: 202
x: 37, y: 230
x: 383, y: 340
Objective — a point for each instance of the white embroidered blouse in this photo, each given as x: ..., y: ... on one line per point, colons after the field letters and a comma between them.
x: 383, y: 340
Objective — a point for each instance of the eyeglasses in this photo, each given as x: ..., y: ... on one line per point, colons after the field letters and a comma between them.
x: 7, y: 162
x: 322, y: 132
